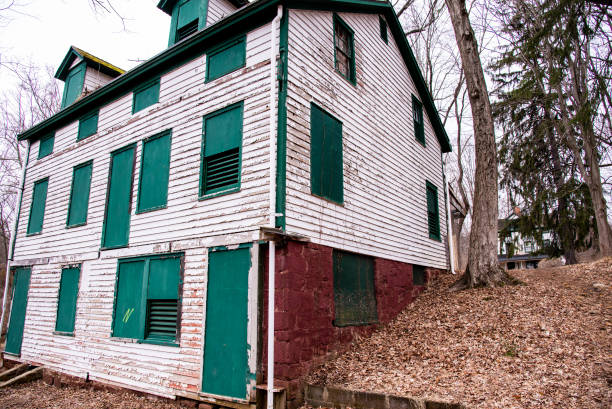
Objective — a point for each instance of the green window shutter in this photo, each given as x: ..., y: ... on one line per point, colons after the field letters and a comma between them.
x: 154, y: 172
x: 187, y: 19
x: 417, y: 116
x: 37, y: 209
x: 67, y: 299
x: 222, y: 145
x: 225, y: 59
x: 383, y: 30
x: 116, y: 229
x: 344, y: 49
x: 21, y: 287
x: 79, y: 195
x: 354, y: 292
x: 130, y: 300
x: 433, y: 216
x: 45, y: 146
x: 163, y: 299
x: 145, y: 96
x: 73, y: 86
x: 88, y: 125
x: 326, y: 167
x: 418, y: 275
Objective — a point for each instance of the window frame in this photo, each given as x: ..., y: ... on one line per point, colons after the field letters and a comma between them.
x: 139, y: 89
x: 431, y: 187
x: 44, y: 208
x: 82, y: 120
x: 212, y: 52
x: 168, y: 133
x: 59, y: 294
x: 418, y: 127
x: 50, y: 136
x: 74, y: 169
x: 352, y: 75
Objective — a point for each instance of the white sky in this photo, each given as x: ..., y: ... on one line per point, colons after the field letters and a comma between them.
x: 43, y: 30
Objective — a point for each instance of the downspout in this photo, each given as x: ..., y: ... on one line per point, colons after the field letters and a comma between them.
x: 272, y: 198
x: 449, y: 227
x: 9, y: 257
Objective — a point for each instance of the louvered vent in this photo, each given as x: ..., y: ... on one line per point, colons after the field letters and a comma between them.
x: 222, y: 171
x: 186, y: 30
x: 162, y: 317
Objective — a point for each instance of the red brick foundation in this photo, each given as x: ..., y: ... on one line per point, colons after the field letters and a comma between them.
x: 304, y: 332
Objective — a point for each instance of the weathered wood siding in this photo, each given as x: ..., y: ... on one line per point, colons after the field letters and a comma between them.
x: 94, y: 79
x: 385, y: 207
x: 218, y: 9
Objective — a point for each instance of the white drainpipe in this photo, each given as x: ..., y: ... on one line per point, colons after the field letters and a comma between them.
x: 449, y: 234
x: 272, y: 197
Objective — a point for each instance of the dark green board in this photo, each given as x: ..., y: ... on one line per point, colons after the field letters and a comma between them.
x: 45, y: 147
x: 88, y: 126
x: 154, y: 173
x: 129, y: 306
x: 117, y: 216
x: 326, y: 166
x: 354, y: 293
x: 79, y: 195
x: 21, y: 285
x: 74, y: 84
x: 145, y: 96
x: 37, y: 208
x: 225, y: 59
x: 67, y: 299
x: 225, y: 349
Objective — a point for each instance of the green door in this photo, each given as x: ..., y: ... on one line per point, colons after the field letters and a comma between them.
x: 225, y: 346
x: 21, y: 284
x: 116, y: 230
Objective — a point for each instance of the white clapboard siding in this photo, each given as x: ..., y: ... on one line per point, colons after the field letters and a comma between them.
x: 385, y: 169
x: 184, y: 99
x: 94, y: 79
x: 217, y: 10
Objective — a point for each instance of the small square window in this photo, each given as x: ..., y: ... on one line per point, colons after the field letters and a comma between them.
x: 344, y: 49
x: 45, y: 146
x: 145, y: 96
x: 88, y: 125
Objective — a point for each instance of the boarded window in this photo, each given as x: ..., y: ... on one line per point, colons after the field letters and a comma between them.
x: 344, y: 49
x: 45, y: 146
x: 73, y: 86
x: 67, y: 299
x: 418, y: 275
x: 79, y: 195
x: 326, y: 168
x: 383, y: 30
x: 417, y: 117
x: 88, y: 125
x: 433, y: 212
x: 147, y: 304
x: 187, y: 18
x: 37, y: 208
x: 222, y: 146
x: 354, y: 292
x: 145, y: 96
x: 154, y: 172
x: 116, y: 228
x: 225, y: 59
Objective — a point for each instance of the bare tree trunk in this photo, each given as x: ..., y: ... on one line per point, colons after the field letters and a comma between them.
x: 483, y: 268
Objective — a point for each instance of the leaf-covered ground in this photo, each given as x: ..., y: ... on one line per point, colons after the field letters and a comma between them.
x: 545, y: 344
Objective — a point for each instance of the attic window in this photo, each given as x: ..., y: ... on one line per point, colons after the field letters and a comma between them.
x: 344, y: 49
x: 186, y: 30
x: 383, y: 30
x: 185, y: 20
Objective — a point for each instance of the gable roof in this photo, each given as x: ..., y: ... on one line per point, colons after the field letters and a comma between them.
x: 167, y: 5
x: 243, y: 20
x: 90, y: 59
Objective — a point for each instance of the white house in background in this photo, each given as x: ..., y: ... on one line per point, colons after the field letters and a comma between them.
x: 515, y: 250
x: 151, y: 201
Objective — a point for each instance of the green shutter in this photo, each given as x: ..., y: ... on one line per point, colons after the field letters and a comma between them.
x: 88, y: 126
x: 433, y: 216
x: 37, y: 208
x: 79, y: 195
x: 45, y: 146
x: 116, y: 229
x: 67, y: 299
x: 225, y: 59
x: 21, y: 286
x: 188, y: 11
x: 326, y: 167
x: 417, y: 116
x: 163, y: 299
x: 73, y: 86
x: 130, y: 300
x: 154, y: 172
x: 354, y: 293
x: 418, y: 275
x: 222, y: 145
x: 188, y: 16
x: 145, y: 96
x: 383, y: 30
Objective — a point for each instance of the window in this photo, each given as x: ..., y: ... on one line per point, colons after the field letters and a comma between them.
x: 433, y: 212
x: 79, y: 195
x: 185, y: 19
x: 418, y: 275
x: 354, y: 293
x: 417, y: 117
x: 222, y: 147
x: 88, y: 125
x: 37, y: 208
x: 67, y: 299
x: 529, y: 247
x: 344, y: 49
x: 226, y: 58
x: 326, y: 168
x: 45, y: 146
x: 147, y: 301
x: 145, y: 96
x: 73, y: 86
x: 383, y: 30
x: 154, y: 172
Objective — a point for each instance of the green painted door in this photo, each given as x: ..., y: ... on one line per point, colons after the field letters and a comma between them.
x: 118, y: 203
x: 225, y: 370
x: 21, y: 285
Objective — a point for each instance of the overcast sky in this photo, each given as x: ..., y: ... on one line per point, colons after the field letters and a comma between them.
x: 43, y: 30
